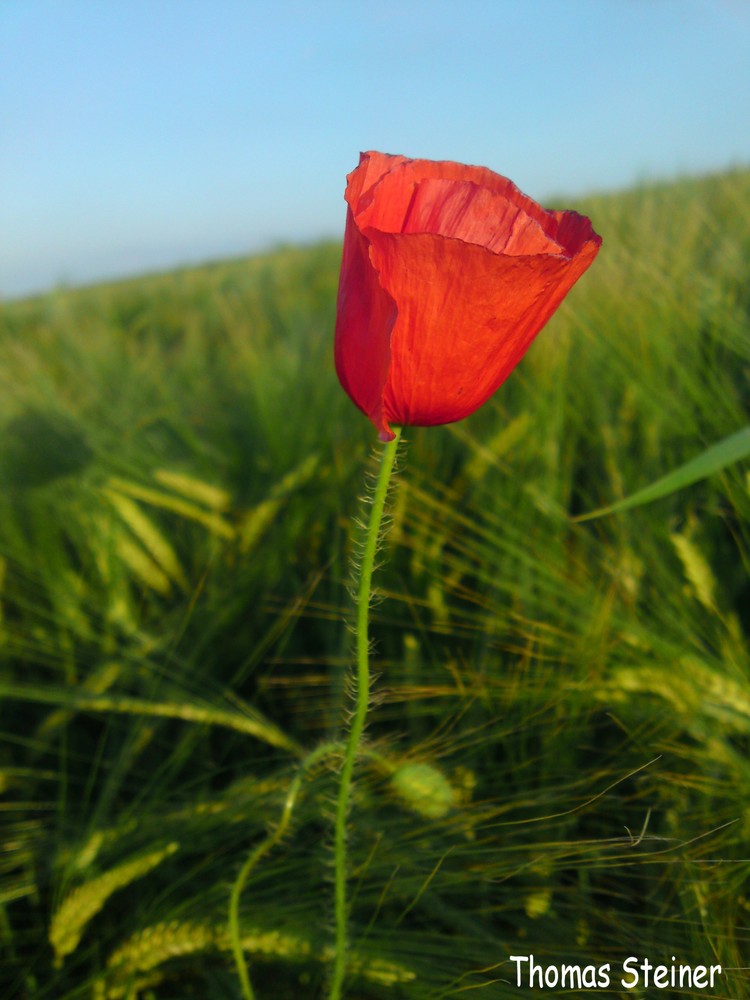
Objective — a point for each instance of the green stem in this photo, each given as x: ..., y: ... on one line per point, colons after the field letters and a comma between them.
x: 260, y: 851
x: 388, y: 457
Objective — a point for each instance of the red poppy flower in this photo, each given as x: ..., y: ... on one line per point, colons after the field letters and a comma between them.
x: 448, y: 274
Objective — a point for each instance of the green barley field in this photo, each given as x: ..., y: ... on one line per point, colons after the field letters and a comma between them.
x: 557, y: 757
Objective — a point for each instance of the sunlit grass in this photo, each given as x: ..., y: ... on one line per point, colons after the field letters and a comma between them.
x: 557, y: 757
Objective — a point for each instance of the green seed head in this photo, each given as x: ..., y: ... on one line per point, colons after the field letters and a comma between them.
x: 424, y: 789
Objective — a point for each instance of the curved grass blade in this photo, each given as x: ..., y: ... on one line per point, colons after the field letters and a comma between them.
x: 726, y: 452
x: 249, y: 722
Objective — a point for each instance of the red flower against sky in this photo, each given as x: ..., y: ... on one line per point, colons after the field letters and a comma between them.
x: 448, y: 274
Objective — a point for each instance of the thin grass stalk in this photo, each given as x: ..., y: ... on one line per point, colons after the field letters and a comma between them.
x: 260, y: 851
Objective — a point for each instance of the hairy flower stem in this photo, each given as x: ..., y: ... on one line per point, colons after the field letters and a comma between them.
x: 372, y: 535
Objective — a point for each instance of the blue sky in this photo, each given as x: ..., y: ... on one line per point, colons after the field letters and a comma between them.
x: 140, y: 134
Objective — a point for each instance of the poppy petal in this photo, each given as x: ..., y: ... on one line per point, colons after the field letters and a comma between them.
x: 365, y: 316
x: 466, y: 316
x: 448, y: 274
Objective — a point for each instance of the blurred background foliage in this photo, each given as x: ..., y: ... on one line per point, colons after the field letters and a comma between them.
x: 558, y: 746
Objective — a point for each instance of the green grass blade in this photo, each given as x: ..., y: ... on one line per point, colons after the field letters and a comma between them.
x: 249, y: 723
x: 726, y: 452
